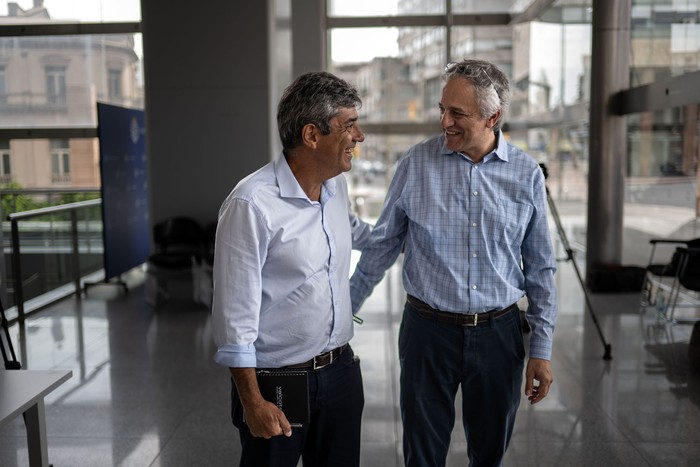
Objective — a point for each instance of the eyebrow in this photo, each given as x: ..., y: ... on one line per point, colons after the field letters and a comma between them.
x: 453, y: 108
x: 350, y: 120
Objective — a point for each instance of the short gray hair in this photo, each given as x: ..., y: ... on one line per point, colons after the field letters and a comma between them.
x: 490, y: 83
x: 314, y: 97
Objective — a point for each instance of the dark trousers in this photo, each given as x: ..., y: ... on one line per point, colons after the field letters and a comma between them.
x: 332, y: 438
x: 436, y: 359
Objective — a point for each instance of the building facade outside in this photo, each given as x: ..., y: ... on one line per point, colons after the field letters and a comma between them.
x: 56, y: 82
x: 548, y: 60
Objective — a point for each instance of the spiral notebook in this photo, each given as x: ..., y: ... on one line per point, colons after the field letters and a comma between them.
x: 289, y: 391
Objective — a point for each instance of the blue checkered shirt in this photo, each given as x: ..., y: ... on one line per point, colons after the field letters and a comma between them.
x: 475, y: 236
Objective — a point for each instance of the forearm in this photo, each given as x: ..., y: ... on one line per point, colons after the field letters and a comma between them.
x: 247, y: 387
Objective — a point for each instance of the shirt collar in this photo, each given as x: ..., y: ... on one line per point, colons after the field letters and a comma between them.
x: 501, y: 150
x: 289, y: 186
x: 501, y: 147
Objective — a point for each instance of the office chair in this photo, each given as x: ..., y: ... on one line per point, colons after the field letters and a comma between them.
x: 660, y: 277
x: 685, y: 292
x: 179, y: 245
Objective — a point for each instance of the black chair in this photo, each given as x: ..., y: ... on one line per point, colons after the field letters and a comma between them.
x: 179, y: 245
x: 659, y: 277
x: 685, y: 292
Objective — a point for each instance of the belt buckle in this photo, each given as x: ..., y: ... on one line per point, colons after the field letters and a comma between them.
x: 318, y: 366
x: 475, y: 322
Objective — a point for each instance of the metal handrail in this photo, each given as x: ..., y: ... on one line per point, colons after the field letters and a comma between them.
x: 14, y: 219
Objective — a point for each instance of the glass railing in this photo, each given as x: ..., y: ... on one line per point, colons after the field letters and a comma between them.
x: 48, y: 252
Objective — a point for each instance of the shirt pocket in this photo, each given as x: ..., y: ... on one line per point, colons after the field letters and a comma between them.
x: 511, y: 221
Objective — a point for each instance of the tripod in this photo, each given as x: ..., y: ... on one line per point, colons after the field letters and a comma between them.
x: 570, y: 257
x: 8, y: 355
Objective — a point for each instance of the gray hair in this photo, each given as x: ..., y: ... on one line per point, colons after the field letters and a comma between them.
x: 490, y: 83
x: 314, y: 97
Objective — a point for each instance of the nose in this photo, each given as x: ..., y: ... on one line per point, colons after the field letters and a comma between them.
x: 445, y: 120
x: 359, y: 135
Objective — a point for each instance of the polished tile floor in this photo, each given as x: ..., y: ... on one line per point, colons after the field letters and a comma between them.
x: 145, y: 391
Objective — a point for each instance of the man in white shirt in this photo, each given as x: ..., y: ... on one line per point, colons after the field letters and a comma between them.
x: 281, y: 289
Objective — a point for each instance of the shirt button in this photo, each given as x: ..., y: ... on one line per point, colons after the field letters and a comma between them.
x: 474, y: 286
x: 476, y: 193
x: 473, y: 224
x: 473, y: 255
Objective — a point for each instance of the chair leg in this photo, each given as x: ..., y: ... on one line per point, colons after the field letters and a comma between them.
x: 650, y: 290
x: 646, y: 297
x: 672, y: 301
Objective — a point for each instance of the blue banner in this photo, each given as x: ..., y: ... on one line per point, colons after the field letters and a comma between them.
x: 123, y: 171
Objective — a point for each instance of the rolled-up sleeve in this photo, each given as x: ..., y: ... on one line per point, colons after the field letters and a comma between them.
x: 239, y: 255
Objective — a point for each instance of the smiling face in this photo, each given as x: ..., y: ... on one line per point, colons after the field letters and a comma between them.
x: 466, y: 131
x: 335, y: 149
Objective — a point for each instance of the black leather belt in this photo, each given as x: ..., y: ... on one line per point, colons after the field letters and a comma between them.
x: 459, y: 319
x: 322, y: 360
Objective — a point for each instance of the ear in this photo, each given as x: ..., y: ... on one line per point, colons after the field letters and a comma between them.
x: 310, y: 135
x: 491, y: 122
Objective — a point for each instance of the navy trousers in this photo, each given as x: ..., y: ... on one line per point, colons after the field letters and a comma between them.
x: 436, y: 359
x: 332, y: 438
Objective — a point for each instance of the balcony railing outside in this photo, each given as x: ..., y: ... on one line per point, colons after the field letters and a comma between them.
x: 51, y: 248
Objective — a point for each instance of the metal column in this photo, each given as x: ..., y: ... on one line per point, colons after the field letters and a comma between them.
x: 608, y: 132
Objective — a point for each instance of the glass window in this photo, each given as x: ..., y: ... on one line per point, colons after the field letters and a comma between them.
x: 55, y: 85
x: 40, y: 162
x: 60, y: 160
x: 663, y: 150
x: 71, y: 10
x: 357, y: 45
x: 56, y: 81
x: 385, y: 8
x: 114, y: 84
x: 665, y: 40
x: 5, y: 162
x: 480, y: 6
x: 3, y: 85
x: 6, y: 167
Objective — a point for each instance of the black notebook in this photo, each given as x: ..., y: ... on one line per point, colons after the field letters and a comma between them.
x: 288, y: 390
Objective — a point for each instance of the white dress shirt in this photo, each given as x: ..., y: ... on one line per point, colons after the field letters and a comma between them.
x: 281, y: 270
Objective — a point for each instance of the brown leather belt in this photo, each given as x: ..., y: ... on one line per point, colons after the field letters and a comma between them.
x: 459, y: 319
x: 322, y: 360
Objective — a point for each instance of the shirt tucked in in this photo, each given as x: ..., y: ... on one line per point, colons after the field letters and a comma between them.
x: 281, y: 267
x: 476, y: 235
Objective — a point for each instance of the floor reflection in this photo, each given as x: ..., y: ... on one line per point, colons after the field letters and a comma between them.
x: 145, y: 391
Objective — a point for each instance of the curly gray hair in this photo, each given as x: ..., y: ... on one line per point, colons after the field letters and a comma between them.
x: 314, y: 97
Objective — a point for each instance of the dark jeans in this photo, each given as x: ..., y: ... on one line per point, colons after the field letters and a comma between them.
x: 332, y: 438
x: 436, y: 358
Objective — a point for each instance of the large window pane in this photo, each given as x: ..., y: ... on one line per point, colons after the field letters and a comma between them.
x: 373, y: 169
x: 481, y: 6
x: 385, y: 7
x: 50, y: 164
x: 79, y: 10
x: 357, y: 45
x: 55, y: 81
x: 392, y: 84
x: 665, y: 40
